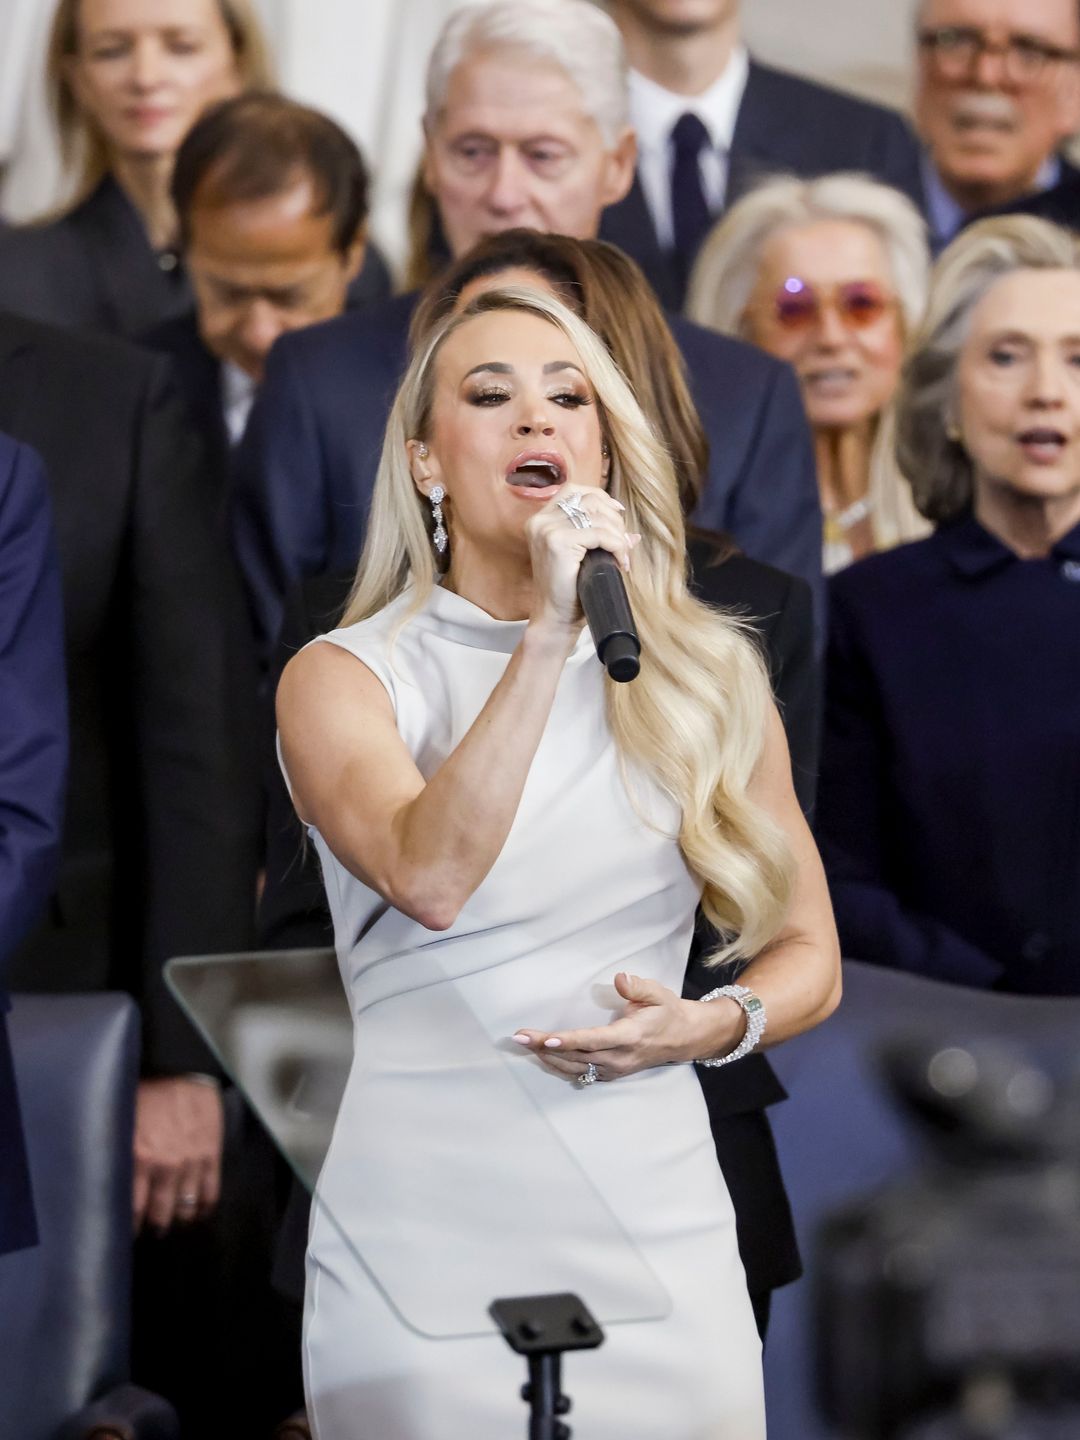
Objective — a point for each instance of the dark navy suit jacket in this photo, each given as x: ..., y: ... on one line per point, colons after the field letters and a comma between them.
x: 949, y: 794
x: 789, y: 125
x: 161, y: 831
x: 306, y: 467
x: 33, y: 768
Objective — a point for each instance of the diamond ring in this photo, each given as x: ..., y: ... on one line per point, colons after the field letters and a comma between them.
x: 590, y: 1076
x: 571, y: 508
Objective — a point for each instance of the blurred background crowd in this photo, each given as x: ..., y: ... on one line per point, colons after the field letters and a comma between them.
x: 852, y: 309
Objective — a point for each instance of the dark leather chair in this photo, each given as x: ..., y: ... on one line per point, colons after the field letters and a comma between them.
x: 840, y: 1135
x: 65, y: 1305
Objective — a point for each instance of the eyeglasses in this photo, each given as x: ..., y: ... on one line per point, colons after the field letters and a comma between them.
x: 798, y: 305
x: 956, y: 49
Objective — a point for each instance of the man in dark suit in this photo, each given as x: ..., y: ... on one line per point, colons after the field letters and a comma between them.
x: 711, y: 121
x: 161, y: 836
x: 272, y: 201
x: 546, y: 147
x: 998, y: 94
x: 33, y: 769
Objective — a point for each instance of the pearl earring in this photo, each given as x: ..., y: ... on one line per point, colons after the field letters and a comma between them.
x: 440, y: 537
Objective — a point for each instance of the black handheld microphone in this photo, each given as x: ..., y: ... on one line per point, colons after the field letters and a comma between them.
x: 603, y: 598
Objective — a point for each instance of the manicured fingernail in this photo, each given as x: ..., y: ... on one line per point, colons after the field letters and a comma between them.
x: 553, y: 1043
x: 619, y: 503
x: 634, y: 539
x: 521, y: 1039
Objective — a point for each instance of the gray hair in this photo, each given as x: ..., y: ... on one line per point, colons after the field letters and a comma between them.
x: 929, y: 452
x: 577, y: 36
x: 727, y: 270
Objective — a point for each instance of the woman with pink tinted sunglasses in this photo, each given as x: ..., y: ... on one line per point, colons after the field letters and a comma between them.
x: 830, y: 275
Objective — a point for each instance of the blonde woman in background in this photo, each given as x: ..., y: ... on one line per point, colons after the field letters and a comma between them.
x: 504, y: 832
x: 830, y: 275
x: 126, y: 80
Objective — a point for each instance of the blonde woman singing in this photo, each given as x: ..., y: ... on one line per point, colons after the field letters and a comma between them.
x: 514, y: 849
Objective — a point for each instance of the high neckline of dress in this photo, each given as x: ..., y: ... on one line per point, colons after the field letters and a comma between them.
x: 466, y: 623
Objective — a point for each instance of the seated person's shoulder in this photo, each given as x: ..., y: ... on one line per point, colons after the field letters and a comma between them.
x: 723, y: 576
x: 376, y: 331
x: 702, y: 347
x: 95, y: 362
x: 793, y: 91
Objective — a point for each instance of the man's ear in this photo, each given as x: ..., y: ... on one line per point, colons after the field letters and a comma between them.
x: 619, y: 166
x: 354, y: 255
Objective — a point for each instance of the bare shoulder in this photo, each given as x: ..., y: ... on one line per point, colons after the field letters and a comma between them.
x: 325, y: 678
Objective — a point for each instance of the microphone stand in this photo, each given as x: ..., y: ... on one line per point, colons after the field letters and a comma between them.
x: 543, y: 1328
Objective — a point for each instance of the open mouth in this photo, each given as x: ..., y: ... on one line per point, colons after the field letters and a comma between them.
x: 1041, y: 443
x: 835, y: 377
x: 536, y: 474
x: 984, y: 112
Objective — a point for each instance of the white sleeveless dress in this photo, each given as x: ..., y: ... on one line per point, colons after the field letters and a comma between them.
x: 460, y: 1170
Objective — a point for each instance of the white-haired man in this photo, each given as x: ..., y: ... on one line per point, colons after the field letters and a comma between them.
x: 998, y: 94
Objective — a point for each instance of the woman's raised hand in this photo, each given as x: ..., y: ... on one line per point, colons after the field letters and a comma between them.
x: 557, y: 548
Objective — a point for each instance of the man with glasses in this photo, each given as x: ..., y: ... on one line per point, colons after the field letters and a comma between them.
x: 998, y: 94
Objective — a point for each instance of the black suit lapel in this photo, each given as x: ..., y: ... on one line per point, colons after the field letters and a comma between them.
x: 757, y: 146
x: 134, y: 290
x: 17, y: 372
x: 629, y: 225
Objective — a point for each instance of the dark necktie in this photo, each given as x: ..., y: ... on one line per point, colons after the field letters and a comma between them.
x: 689, y: 209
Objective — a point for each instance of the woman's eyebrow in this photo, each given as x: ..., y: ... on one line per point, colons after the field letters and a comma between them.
x: 555, y: 365
x: 499, y: 367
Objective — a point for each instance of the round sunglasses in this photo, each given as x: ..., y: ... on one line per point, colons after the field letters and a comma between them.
x: 798, y: 305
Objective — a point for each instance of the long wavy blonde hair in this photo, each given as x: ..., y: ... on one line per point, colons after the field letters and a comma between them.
x: 696, y: 716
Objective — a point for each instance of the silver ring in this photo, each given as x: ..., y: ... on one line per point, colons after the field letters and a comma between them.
x: 188, y: 1200
x: 590, y: 1077
x: 571, y: 508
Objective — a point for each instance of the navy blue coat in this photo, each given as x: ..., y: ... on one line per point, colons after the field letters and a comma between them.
x: 949, y: 795
x: 786, y: 125
x: 33, y: 769
x: 306, y: 466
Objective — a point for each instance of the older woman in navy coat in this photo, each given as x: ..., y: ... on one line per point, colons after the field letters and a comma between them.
x: 949, y: 799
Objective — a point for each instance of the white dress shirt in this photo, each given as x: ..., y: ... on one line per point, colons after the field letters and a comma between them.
x: 238, y: 396
x: 654, y: 113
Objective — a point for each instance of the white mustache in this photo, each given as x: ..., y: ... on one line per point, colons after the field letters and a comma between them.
x: 982, y: 107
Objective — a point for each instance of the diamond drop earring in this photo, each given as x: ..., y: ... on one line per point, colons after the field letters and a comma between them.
x: 440, y: 537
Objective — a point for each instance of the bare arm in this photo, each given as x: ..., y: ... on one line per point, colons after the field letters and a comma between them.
x: 427, y: 846
x: 797, y: 976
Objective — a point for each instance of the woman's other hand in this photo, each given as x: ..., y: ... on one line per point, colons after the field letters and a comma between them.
x: 657, y: 1027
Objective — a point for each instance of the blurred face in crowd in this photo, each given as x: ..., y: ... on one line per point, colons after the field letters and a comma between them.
x: 674, y: 17
x: 513, y: 145
x: 824, y: 301
x: 1018, y: 392
x: 262, y: 267
x: 513, y: 417
x: 146, y: 69
x: 998, y: 92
